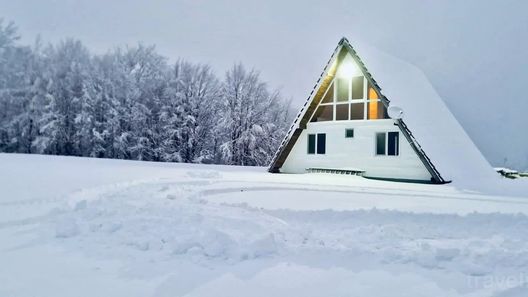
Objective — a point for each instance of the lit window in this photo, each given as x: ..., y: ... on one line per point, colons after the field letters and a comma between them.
x: 357, y: 87
x: 342, y: 89
x: 350, y: 96
x: 376, y: 110
x: 372, y: 94
x: 329, y: 96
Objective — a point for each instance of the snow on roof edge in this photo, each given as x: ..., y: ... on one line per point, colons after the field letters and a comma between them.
x: 436, y: 129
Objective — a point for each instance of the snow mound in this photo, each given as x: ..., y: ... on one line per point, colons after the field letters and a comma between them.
x: 173, y: 221
x: 140, y: 219
x: 290, y: 279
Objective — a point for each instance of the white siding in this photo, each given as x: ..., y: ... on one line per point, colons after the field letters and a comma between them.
x: 357, y: 152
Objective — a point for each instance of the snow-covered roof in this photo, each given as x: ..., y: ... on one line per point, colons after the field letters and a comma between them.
x: 444, y: 143
x: 435, y: 128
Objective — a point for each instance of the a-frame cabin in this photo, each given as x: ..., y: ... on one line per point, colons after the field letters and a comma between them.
x: 344, y: 125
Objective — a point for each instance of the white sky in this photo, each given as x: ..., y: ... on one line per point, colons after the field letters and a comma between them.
x: 474, y: 52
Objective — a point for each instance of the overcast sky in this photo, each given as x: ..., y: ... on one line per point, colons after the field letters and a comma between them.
x: 474, y: 52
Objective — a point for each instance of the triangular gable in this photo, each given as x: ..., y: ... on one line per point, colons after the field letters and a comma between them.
x: 316, y: 96
x: 338, y: 91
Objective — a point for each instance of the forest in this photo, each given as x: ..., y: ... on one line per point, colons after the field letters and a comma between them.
x: 132, y: 103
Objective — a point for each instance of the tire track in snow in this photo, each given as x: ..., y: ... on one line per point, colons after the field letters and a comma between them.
x: 25, y: 210
x: 370, y: 191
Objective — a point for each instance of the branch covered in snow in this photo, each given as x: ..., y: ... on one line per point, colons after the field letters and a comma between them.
x: 132, y: 104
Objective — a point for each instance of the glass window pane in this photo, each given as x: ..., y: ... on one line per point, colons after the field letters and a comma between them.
x: 357, y: 111
x: 393, y: 144
x: 357, y: 87
x: 349, y: 133
x: 380, y: 143
x: 342, y: 89
x: 321, y: 144
x: 382, y: 112
x: 311, y: 143
x: 372, y: 109
x: 323, y: 113
x: 372, y: 93
x: 329, y: 96
x: 342, y: 112
x: 376, y: 110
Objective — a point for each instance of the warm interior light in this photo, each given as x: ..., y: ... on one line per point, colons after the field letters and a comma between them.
x: 348, y: 68
x: 373, y: 104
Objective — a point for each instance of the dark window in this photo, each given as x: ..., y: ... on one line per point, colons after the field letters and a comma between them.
x: 342, y: 112
x: 311, y: 143
x: 329, y: 96
x: 349, y: 133
x: 380, y: 143
x: 324, y: 113
x: 342, y: 89
x: 321, y: 144
x: 357, y: 111
x: 393, y: 144
x: 357, y: 87
x: 383, y: 114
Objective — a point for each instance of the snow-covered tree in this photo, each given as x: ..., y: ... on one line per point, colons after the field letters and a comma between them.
x: 249, y: 118
x: 131, y: 104
x: 70, y: 80
x: 190, y: 113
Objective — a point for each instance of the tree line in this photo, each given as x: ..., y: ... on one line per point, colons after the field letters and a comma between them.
x: 131, y: 103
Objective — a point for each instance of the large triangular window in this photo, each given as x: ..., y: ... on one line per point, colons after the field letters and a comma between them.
x: 349, y: 96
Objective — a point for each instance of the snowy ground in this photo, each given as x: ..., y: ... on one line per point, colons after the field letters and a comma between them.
x: 87, y: 227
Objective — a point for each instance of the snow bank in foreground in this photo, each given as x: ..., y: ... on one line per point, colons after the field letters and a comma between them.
x: 441, y: 254
x: 314, y: 282
x: 210, y: 231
